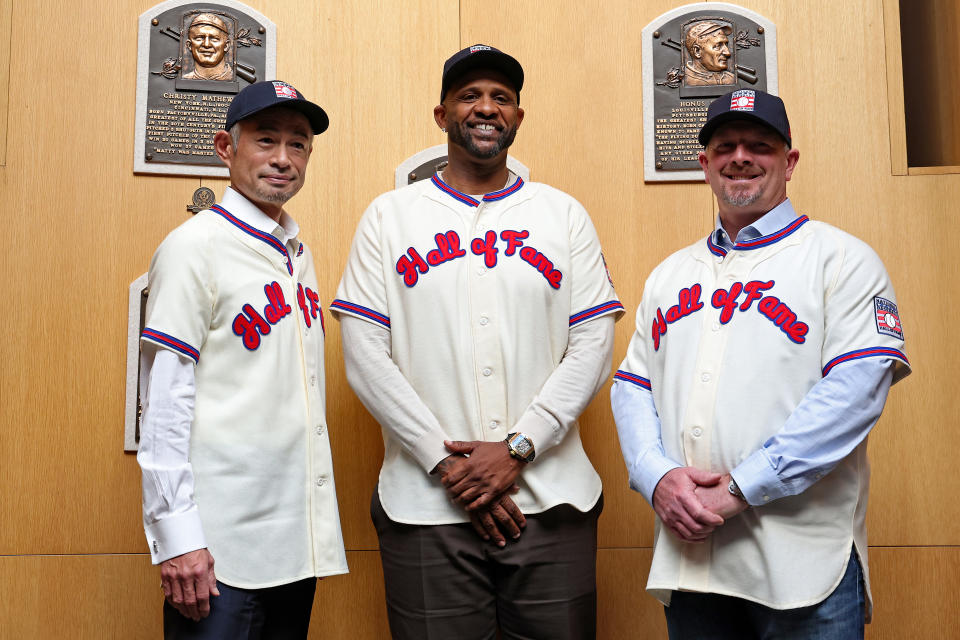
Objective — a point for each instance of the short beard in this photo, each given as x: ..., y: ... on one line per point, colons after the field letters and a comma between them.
x: 274, y: 196
x: 460, y: 136
x: 739, y: 199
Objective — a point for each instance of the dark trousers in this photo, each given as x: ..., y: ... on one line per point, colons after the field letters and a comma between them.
x: 275, y: 613
x: 708, y: 616
x: 444, y: 582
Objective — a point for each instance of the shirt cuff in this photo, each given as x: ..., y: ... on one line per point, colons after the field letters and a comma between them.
x: 758, y: 480
x: 542, y: 432
x: 429, y: 451
x: 647, y: 472
x: 174, y: 536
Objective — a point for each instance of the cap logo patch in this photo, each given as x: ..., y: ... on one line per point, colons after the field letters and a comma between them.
x: 480, y: 47
x: 284, y: 90
x: 888, y: 320
x: 742, y: 100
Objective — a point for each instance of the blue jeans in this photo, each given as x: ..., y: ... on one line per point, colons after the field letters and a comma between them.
x: 708, y: 616
x: 275, y: 613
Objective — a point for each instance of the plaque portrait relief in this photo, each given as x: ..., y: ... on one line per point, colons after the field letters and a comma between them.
x: 691, y: 55
x: 192, y: 58
x: 208, y: 44
x: 706, y: 54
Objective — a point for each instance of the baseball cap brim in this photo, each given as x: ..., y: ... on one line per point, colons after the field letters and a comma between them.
x: 731, y: 116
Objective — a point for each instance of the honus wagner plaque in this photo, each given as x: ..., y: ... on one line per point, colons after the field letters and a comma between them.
x: 692, y: 55
x: 192, y: 58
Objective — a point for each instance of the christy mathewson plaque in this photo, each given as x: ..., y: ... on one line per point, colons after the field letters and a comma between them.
x: 691, y: 55
x: 192, y: 58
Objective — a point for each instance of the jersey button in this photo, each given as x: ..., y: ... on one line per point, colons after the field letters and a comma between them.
x: 319, y: 429
x: 487, y: 371
x: 705, y: 377
x: 715, y: 326
x: 481, y: 271
x: 697, y: 432
x: 321, y: 481
x: 484, y: 320
x: 313, y: 381
x: 494, y: 424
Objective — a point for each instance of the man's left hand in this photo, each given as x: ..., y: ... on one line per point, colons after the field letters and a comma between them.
x: 717, y: 498
x: 477, y: 481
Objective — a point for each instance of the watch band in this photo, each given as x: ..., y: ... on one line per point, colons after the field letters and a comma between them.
x: 735, y: 490
x: 520, y: 447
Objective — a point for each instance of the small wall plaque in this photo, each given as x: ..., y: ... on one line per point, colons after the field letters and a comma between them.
x: 192, y: 58
x: 691, y: 55
x: 424, y: 164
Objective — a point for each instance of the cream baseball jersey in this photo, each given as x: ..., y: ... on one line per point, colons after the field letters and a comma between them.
x: 729, y: 343
x: 245, y: 309
x: 479, y: 296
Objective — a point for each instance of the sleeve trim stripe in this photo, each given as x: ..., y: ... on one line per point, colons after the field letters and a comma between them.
x: 599, y: 310
x: 170, y: 342
x: 635, y: 379
x: 358, y: 310
x: 873, y: 352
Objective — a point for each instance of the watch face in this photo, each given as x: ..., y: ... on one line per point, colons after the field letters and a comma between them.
x: 522, y: 445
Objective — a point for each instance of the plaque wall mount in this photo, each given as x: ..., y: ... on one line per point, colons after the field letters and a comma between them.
x: 691, y: 55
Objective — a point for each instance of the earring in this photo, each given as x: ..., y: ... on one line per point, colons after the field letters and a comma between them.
x: 444, y: 129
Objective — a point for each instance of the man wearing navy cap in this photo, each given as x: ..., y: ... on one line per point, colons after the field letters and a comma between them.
x: 234, y: 447
x: 761, y: 360
x: 477, y: 320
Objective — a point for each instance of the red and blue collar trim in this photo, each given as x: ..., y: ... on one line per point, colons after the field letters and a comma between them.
x: 256, y: 233
x: 473, y: 202
x: 760, y: 242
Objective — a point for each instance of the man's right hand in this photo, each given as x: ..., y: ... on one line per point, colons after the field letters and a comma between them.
x: 496, y: 521
x: 680, y: 509
x: 188, y: 582
x: 501, y: 517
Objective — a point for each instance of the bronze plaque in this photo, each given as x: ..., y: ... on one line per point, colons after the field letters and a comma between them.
x: 192, y: 59
x: 691, y: 55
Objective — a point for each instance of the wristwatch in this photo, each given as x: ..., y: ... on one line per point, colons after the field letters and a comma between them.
x: 735, y: 490
x: 521, y: 447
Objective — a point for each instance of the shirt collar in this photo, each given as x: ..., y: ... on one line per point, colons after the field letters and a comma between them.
x: 774, y: 226
x: 772, y: 221
x: 238, y: 205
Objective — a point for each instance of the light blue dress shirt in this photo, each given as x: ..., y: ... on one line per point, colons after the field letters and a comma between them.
x: 832, y: 419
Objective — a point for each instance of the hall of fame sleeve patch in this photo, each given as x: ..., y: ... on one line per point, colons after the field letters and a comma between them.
x: 888, y: 320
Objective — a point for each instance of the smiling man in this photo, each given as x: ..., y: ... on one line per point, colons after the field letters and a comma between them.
x: 761, y: 360
x: 234, y: 447
x: 477, y: 321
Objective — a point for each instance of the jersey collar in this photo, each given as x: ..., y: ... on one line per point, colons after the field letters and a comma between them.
x: 246, y: 217
x: 774, y: 226
x: 470, y: 200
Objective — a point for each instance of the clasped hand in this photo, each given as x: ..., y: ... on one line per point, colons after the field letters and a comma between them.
x: 692, y: 503
x: 480, y: 477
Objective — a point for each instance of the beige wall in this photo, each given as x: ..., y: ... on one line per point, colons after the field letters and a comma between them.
x: 80, y: 227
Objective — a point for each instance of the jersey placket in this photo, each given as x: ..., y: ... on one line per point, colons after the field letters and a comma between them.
x: 484, y: 324
x: 699, y: 417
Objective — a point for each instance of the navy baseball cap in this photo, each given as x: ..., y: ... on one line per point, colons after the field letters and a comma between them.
x: 480, y: 56
x: 747, y: 104
x: 272, y: 93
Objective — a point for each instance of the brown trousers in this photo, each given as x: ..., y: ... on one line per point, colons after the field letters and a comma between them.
x: 444, y: 582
